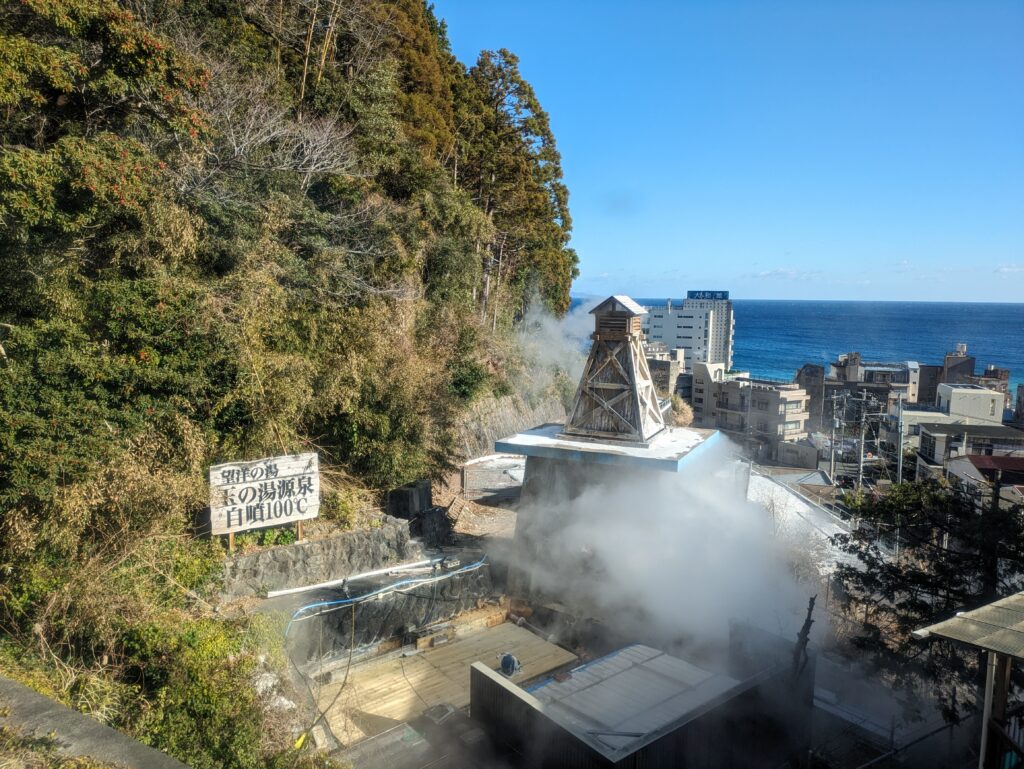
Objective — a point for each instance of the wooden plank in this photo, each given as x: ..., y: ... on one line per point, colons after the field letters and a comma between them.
x: 382, y: 693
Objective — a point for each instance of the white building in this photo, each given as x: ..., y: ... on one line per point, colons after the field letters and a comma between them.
x: 703, y: 326
x: 968, y: 404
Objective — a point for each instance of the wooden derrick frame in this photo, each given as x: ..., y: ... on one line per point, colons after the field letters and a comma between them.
x: 616, y: 364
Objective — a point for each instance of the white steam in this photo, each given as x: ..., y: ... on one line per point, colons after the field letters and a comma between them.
x: 554, y: 349
x: 683, y: 554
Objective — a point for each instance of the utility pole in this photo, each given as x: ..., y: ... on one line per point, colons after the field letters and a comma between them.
x: 832, y: 443
x: 899, y: 439
x: 860, y: 452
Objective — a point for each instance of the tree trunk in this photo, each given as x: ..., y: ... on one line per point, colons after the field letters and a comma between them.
x: 305, y: 59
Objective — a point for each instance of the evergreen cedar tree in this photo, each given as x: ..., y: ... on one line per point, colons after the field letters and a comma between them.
x: 236, y: 229
x: 957, y: 551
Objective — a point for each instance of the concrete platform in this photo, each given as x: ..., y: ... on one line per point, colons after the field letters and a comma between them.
x: 668, y: 450
x: 384, y: 694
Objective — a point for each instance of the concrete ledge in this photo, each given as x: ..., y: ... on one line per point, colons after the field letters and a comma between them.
x: 74, y: 734
x: 667, y: 451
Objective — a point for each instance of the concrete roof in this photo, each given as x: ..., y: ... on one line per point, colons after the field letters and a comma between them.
x: 667, y: 450
x: 624, y: 700
x: 988, y: 431
x: 996, y: 627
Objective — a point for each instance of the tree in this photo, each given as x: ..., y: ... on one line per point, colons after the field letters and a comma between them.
x: 510, y: 164
x: 955, y: 551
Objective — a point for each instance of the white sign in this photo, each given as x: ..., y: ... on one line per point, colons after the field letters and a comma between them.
x: 264, y: 492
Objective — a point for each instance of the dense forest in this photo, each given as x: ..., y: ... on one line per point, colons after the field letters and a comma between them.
x: 230, y: 229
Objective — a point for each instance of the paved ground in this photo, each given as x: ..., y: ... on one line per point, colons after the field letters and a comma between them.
x: 75, y: 734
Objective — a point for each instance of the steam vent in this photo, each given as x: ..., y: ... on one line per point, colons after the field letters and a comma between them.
x: 616, y: 398
x: 615, y: 423
x: 614, y: 433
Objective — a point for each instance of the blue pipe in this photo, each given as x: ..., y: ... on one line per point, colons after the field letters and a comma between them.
x: 360, y: 598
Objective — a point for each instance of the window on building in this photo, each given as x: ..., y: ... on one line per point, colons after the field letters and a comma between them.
x: 928, y: 446
x: 796, y: 425
x: 992, y: 408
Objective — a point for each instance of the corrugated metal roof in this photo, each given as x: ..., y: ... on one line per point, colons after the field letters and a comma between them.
x: 985, y: 462
x: 621, y: 699
x: 996, y: 627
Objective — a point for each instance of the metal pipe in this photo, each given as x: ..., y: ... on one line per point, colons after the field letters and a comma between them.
x: 364, y: 575
x: 990, y: 676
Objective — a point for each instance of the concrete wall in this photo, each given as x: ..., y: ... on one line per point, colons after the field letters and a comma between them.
x: 308, y: 563
x: 489, y: 419
x: 977, y: 405
x: 514, y: 721
x: 665, y: 374
x: 72, y: 734
x: 797, y: 454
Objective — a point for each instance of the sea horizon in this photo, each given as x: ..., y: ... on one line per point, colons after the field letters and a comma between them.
x: 775, y: 337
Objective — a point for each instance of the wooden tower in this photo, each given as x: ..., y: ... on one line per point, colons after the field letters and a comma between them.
x: 616, y: 399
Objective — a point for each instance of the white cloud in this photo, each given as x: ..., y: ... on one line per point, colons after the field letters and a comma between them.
x: 786, y: 273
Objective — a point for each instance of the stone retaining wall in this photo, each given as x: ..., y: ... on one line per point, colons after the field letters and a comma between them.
x: 492, y: 418
x: 321, y: 560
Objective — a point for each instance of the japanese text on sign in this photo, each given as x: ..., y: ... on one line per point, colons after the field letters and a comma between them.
x: 715, y: 295
x: 264, y: 492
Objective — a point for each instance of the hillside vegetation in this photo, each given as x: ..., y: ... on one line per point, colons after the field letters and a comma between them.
x: 229, y: 229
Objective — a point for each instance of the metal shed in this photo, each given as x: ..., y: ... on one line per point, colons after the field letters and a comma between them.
x: 997, y: 629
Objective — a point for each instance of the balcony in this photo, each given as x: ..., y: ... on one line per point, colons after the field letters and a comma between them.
x: 732, y: 407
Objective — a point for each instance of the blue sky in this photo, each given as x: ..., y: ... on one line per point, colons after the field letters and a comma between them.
x: 818, y: 150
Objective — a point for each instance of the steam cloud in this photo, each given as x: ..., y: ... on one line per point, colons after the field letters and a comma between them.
x: 674, y: 556
x: 552, y: 347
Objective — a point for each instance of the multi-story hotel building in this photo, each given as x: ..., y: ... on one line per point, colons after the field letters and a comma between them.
x: 703, y: 326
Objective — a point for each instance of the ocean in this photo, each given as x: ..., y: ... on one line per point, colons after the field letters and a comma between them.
x: 774, y: 338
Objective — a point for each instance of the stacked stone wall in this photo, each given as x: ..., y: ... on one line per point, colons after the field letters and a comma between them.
x: 321, y: 560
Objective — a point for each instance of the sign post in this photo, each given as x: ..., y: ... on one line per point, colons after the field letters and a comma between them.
x: 264, y: 492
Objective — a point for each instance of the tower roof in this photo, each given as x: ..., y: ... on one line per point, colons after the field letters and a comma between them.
x: 619, y: 303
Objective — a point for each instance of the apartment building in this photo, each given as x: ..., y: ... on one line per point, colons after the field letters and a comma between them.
x: 995, y: 378
x: 703, y: 325
x: 763, y: 410
x: 942, y: 443
x: 902, y: 377
x: 969, y: 404
x: 958, y: 366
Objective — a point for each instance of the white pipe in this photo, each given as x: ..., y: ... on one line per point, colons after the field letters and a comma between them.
x: 375, y: 573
